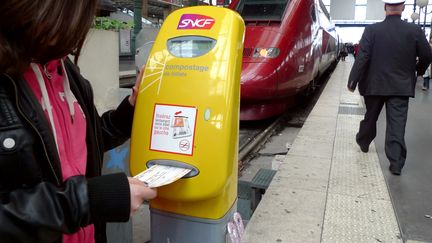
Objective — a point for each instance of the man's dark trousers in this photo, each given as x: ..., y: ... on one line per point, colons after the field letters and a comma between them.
x: 396, y: 116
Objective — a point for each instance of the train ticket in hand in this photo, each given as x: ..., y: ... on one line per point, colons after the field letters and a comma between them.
x: 161, y: 175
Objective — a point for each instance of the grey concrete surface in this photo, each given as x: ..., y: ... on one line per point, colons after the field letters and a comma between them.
x: 127, y: 64
x: 326, y: 189
x: 141, y: 225
x: 412, y: 191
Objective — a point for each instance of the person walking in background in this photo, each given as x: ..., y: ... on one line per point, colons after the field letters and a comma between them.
x: 52, y: 139
x: 385, y: 72
x: 344, y: 52
x: 427, y: 75
x: 356, y: 49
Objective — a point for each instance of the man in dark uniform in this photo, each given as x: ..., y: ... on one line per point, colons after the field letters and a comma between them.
x: 385, y: 71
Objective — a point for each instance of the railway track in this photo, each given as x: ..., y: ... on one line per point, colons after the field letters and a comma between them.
x: 252, y: 140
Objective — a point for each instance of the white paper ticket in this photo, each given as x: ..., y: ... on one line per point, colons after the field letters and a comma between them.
x: 160, y: 175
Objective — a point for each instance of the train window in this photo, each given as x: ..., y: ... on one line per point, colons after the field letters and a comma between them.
x: 190, y: 46
x: 262, y: 9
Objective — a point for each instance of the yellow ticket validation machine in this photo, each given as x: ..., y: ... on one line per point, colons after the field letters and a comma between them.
x: 187, y: 115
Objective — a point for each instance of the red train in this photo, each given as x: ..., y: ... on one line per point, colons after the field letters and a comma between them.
x: 288, y: 44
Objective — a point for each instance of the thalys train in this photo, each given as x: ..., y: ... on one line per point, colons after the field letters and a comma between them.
x: 288, y: 45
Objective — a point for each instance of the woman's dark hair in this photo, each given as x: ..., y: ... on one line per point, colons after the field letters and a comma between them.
x: 42, y: 30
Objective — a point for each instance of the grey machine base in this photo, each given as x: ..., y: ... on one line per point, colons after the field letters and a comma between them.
x: 174, y: 228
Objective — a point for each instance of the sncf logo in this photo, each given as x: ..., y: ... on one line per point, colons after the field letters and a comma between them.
x: 195, y: 21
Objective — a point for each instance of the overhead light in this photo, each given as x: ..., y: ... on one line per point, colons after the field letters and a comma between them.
x: 422, y: 3
x: 415, y: 16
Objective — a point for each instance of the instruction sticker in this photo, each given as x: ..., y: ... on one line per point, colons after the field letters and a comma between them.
x: 173, y: 129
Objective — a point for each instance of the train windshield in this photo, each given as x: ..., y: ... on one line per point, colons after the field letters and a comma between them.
x: 262, y: 9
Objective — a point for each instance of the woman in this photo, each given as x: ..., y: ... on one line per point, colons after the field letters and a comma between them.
x: 51, y: 137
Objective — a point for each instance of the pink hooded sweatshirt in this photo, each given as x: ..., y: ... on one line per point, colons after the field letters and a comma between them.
x: 51, y: 87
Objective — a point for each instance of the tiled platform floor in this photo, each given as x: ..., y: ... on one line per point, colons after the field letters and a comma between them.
x: 327, y: 190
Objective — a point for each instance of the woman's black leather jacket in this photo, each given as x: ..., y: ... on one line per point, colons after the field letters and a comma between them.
x: 35, y: 204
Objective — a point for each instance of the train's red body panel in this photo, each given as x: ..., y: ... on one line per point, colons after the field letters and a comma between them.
x: 288, y: 43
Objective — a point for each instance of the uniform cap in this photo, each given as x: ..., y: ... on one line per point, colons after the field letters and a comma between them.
x: 393, y: 1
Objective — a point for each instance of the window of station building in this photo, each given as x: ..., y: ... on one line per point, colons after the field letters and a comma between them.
x: 409, y: 9
x: 360, y: 9
x: 324, y: 16
x: 327, y: 4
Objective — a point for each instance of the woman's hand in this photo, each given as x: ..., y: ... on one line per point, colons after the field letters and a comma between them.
x: 135, y: 88
x: 139, y: 192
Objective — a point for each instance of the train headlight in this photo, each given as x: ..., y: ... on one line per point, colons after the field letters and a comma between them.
x: 271, y: 52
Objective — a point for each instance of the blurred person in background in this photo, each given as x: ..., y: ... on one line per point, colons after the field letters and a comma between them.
x: 356, y: 49
x: 427, y: 75
x: 344, y: 52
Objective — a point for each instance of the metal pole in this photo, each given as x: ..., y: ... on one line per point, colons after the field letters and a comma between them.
x: 137, y: 24
x: 414, y: 10
x: 419, y: 18
x: 424, y: 23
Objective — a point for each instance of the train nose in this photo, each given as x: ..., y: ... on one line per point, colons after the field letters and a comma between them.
x: 258, y: 81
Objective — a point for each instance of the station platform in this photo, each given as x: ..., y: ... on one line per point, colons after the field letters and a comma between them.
x: 327, y: 190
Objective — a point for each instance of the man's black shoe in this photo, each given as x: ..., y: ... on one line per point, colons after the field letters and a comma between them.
x: 395, y: 170
x: 364, y: 149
